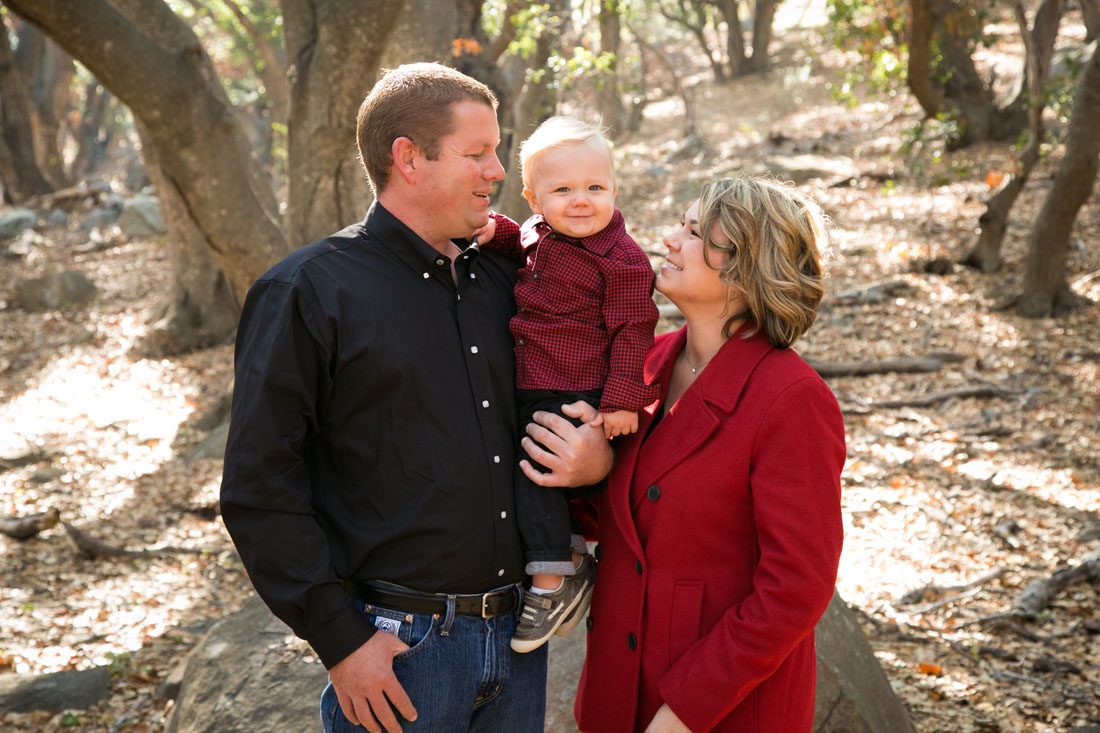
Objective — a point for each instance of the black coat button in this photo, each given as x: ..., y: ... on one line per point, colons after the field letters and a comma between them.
x: 638, y: 566
x: 598, y: 552
x: 632, y: 641
x: 588, y: 623
x: 653, y: 492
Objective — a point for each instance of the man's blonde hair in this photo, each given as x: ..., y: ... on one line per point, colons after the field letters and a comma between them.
x: 558, y: 132
x: 774, y: 256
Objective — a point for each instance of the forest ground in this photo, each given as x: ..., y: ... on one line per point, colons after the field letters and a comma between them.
x: 1003, y: 489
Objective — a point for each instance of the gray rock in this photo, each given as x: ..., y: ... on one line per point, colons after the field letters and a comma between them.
x: 248, y: 673
x: 853, y: 694
x: 1089, y: 534
x: 140, y: 217
x: 169, y: 687
x: 100, y: 218
x: 60, y: 290
x: 213, y: 446
x: 47, y: 474
x: 218, y: 413
x: 57, y: 216
x: 69, y: 690
x: 15, y: 222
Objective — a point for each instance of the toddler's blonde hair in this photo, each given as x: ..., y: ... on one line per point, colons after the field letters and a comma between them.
x: 558, y: 132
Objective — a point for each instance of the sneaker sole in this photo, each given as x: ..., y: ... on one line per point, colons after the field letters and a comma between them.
x: 573, y: 619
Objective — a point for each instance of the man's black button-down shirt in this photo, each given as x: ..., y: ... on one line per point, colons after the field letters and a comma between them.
x: 373, y: 433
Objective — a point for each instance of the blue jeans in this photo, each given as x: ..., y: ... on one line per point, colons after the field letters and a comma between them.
x: 461, y: 675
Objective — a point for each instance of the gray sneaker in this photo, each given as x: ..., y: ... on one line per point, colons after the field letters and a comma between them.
x: 542, y: 615
x: 588, y: 565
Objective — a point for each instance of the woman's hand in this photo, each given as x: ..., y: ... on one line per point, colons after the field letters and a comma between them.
x: 574, y: 456
x: 665, y: 721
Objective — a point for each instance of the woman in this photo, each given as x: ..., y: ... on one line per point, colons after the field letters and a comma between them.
x: 720, y: 530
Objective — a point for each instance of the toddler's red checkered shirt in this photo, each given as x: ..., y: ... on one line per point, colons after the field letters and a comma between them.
x: 585, y: 312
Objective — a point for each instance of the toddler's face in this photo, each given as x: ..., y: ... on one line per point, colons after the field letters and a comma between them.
x: 573, y: 186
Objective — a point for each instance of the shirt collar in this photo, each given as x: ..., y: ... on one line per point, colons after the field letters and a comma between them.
x: 599, y: 243
x: 396, y: 236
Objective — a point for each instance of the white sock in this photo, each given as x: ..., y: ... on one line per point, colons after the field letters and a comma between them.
x: 545, y: 591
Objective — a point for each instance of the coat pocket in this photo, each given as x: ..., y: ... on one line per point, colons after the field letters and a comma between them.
x: 687, y: 607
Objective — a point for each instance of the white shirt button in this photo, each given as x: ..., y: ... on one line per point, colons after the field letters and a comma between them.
x: 473, y: 349
x: 504, y: 515
x: 439, y: 262
x: 485, y: 403
x: 473, y: 276
x: 500, y: 572
x: 426, y: 276
x: 496, y: 459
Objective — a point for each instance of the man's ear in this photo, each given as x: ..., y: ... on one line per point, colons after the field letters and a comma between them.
x: 531, y: 200
x: 405, y: 153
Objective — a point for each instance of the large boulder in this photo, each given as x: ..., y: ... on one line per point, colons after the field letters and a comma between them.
x: 69, y: 690
x: 249, y: 672
x: 241, y: 666
x: 853, y: 694
x: 59, y: 290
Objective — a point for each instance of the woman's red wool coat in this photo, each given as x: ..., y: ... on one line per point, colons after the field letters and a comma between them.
x: 719, y: 539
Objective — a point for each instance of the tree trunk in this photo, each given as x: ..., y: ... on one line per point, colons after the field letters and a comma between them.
x: 735, y: 40
x: 333, y: 52
x: 200, y: 310
x: 199, y: 149
x: 965, y: 88
x: 1043, y: 34
x: 609, y: 102
x: 1046, y: 288
x: 533, y: 105
x: 963, y: 94
x: 21, y: 175
x: 51, y: 72
x: 986, y: 254
x: 921, y: 29
x: 763, y: 21
x: 1090, y: 9
x: 91, y: 139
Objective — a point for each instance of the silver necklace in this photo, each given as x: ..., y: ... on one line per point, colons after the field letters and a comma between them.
x: 695, y: 369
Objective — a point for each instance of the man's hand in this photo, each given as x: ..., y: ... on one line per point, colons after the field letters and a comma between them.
x: 366, y: 685
x: 666, y: 721
x: 574, y: 456
x: 619, y: 422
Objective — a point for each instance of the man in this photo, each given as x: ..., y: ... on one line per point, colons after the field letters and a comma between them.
x: 368, y: 473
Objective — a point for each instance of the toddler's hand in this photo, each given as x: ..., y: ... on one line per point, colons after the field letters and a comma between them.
x: 619, y: 422
x: 485, y: 233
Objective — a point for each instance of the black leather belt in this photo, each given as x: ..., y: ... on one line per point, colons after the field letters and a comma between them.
x: 388, y: 595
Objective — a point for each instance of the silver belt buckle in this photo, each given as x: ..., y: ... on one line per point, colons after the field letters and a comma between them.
x: 485, y: 605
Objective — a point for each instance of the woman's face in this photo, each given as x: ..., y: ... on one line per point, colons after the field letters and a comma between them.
x: 685, y: 278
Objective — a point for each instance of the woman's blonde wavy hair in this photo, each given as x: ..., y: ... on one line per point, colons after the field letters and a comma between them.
x: 774, y: 256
